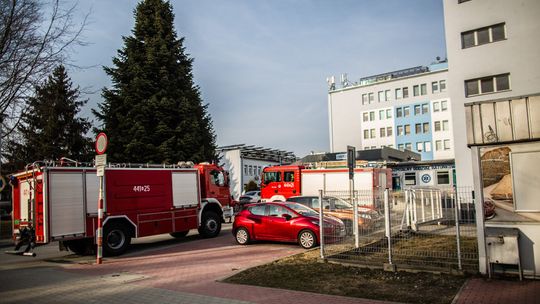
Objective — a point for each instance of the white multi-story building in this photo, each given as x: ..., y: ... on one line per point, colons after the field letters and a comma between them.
x: 493, y: 48
x: 407, y: 109
x: 245, y: 163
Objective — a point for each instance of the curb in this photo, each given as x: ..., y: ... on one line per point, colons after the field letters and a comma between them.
x: 456, y: 297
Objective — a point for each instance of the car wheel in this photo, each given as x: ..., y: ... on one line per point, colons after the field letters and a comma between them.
x: 242, y: 236
x: 307, y: 239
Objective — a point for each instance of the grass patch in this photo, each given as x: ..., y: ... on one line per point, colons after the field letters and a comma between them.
x: 305, y: 273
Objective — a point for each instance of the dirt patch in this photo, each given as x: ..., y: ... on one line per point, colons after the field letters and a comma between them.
x: 304, y: 272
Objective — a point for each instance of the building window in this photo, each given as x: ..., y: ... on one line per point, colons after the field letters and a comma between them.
x: 380, y: 96
x: 398, y: 93
x: 371, y: 98
x: 447, y: 144
x: 410, y: 179
x: 372, y: 133
x: 427, y: 146
x: 483, y: 35
x: 390, y: 146
x: 388, y: 131
x: 442, y: 85
x: 387, y: 95
x: 399, y: 130
x: 425, y: 127
x: 419, y: 146
x: 366, y: 134
x: 436, y: 106
x: 382, y: 132
x: 245, y: 170
x: 445, y: 125
x: 437, y: 126
x: 418, y: 128
x: 364, y: 99
x: 443, y: 178
x: 388, y: 113
x: 416, y: 90
x: 425, y: 108
x: 400, y: 147
x: 406, y: 111
x: 399, y: 112
x: 434, y: 87
x: 444, y: 105
x: 381, y: 115
x: 408, y: 146
x: 423, y: 89
x: 365, y: 116
x: 405, y: 92
x: 407, y: 129
x: 371, y: 116
x: 250, y: 170
x: 487, y: 85
x: 461, y: 1
x: 438, y: 145
x: 417, y: 110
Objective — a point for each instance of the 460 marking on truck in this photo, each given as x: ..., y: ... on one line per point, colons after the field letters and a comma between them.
x: 142, y: 188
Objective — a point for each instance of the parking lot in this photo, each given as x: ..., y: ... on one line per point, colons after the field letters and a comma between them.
x: 159, y: 269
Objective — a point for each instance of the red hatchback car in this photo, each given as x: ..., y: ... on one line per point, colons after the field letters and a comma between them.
x: 284, y: 222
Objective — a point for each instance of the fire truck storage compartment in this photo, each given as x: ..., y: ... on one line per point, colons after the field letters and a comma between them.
x: 66, y: 202
x: 185, y: 185
x: 24, y: 192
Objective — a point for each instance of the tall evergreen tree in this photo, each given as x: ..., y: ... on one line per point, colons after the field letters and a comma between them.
x: 50, y: 128
x: 154, y: 112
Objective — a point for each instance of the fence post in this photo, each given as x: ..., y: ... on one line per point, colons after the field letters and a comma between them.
x: 458, y: 241
x: 407, y: 209
x: 432, y: 206
x: 422, y: 201
x: 321, y: 224
x: 388, y: 227
x: 356, y: 231
x: 415, y: 211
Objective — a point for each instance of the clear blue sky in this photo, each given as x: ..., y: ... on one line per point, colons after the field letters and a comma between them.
x: 262, y: 65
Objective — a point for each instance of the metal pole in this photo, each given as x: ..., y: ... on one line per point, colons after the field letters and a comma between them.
x: 407, y: 208
x: 388, y: 227
x: 432, y: 206
x: 99, y: 240
x: 457, y: 230
x: 321, y: 223
x: 355, y: 216
x: 422, y: 201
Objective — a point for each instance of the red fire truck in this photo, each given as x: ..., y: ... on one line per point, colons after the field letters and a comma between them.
x: 282, y: 182
x: 56, y: 203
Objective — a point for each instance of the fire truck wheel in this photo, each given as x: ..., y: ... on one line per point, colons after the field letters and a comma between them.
x: 242, y: 236
x: 210, y: 225
x: 116, y: 239
x: 180, y: 234
x: 307, y: 239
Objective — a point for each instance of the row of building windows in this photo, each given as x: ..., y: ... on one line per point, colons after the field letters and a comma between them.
x: 252, y: 170
x: 425, y: 146
x: 484, y: 35
x: 485, y: 85
x: 405, y: 111
x: 401, y: 93
x: 420, y: 128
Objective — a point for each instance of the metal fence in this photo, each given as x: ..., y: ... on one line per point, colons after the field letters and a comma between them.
x: 427, y: 229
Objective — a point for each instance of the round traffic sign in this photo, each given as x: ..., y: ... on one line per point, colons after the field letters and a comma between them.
x: 101, y: 143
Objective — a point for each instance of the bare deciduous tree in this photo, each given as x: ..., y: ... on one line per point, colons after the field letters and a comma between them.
x: 34, y: 38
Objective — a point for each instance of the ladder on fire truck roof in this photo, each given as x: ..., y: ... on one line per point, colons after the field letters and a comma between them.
x: 66, y: 162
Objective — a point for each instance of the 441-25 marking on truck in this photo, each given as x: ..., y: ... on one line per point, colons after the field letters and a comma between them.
x: 142, y: 188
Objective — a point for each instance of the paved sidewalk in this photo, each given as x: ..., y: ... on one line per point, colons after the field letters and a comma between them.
x: 500, y: 291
